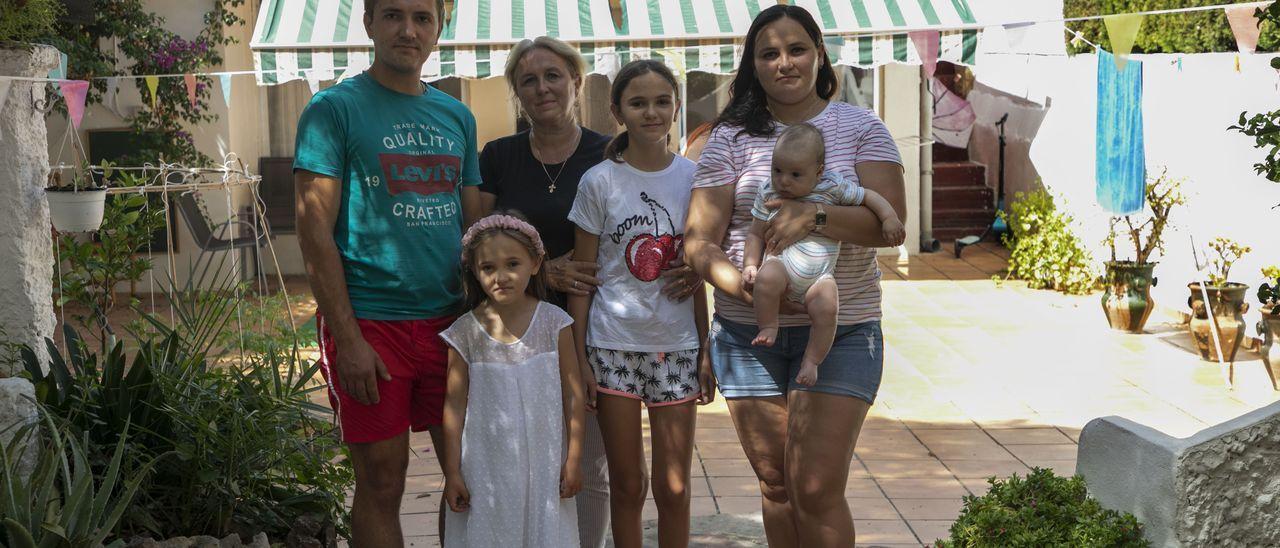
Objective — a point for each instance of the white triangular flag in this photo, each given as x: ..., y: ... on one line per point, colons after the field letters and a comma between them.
x: 111, y: 100
x: 314, y: 84
x: 1016, y: 33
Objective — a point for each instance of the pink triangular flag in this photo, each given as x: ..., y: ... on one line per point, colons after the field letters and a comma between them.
x: 927, y: 43
x: 190, y: 79
x: 1245, y: 26
x: 74, y: 91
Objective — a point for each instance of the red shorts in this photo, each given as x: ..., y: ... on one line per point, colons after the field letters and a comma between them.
x: 417, y: 360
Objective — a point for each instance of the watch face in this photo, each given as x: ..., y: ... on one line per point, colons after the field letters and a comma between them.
x: 820, y: 218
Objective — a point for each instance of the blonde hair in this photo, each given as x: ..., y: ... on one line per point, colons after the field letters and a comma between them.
x: 567, y: 53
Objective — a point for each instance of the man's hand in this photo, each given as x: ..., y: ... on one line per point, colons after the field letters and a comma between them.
x: 359, y: 369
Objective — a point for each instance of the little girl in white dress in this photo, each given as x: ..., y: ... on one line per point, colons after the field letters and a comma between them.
x: 514, y: 412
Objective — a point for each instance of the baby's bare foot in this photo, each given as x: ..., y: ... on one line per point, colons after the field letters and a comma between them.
x: 808, y: 375
x: 765, y: 337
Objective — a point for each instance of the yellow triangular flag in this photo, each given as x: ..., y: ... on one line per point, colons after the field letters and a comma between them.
x: 1237, y: 62
x: 1121, y: 30
x: 152, y: 83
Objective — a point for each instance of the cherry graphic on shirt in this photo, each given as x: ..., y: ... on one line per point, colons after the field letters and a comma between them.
x: 649, y: 254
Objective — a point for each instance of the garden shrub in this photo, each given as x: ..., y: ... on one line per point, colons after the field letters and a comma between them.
x: 1041, y: 510
x: 1044, y: 251
x: 27, y: 21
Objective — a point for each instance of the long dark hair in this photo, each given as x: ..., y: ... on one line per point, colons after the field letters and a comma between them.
x: 748, y: 106
x: 472, y: 292
x: 628, y: 73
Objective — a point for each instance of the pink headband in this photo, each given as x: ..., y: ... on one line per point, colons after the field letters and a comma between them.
x: 500, y: 222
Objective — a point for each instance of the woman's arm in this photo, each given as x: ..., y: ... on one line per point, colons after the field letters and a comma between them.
x: 853, y: 224
x: 585, y: 248
x: 574, y: 417
x: 708, y: 220
x: 455, y: 414
x: 487, y: 203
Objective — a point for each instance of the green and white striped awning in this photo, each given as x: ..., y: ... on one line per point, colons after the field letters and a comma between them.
x: 325, y: 39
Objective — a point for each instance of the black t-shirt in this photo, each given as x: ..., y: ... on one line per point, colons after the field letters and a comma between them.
x: 510, y: 172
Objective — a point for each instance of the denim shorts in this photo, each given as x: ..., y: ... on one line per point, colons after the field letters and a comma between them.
x: 852, y: 368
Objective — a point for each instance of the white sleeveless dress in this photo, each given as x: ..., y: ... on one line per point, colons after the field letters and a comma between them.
x: 513, y: 440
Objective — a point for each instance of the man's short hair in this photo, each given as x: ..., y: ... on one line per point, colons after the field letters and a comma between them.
x: 369, y: 6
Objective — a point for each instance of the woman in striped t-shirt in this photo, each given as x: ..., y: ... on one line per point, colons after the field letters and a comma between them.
x: 786, y: 78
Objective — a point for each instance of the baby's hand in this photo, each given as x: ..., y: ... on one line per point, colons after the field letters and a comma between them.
x: 456, y: 494
x: 894, y: 232
x: 749, y: 276
x: 570, y: 480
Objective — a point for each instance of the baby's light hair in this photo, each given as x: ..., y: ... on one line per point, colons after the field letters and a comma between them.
x: 806, y: 136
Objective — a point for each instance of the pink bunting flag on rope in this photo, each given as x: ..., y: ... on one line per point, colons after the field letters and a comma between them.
x: 927, y: 43
x: 1245, y: 27
x: 190, y: 80
x: 74, y: 91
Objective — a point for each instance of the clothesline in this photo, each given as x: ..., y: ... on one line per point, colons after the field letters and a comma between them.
x: 897, y: 31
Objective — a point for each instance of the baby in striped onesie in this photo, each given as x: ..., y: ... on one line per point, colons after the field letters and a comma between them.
x: 803, y: 271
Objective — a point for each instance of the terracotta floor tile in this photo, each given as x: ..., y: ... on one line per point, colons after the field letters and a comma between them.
x: 976, y: 487
x: 862, y: 489
x: 719, y: 450
x: 905, y: 468
x: 883, y: 531
x: 422, y: 542
x: 735, y: 486
x: 928, y: 509
x: 932, y: 488
x: 931, y: 530
x: 739, y: 505
x: 419, y: 525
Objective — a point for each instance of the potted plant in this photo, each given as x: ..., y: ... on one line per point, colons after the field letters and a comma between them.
x: 1126, y: 297
x: 76, y: 205
x: 1226, y: 302
x: 1269, y: 327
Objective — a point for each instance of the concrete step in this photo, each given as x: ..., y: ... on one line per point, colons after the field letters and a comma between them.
x: 946, y: 234
x: 961, y: 216
x: 963, y: 197
x: 959, y: 174
x: 944, y: 153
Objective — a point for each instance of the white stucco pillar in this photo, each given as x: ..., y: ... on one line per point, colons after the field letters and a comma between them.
x: 26, y: 244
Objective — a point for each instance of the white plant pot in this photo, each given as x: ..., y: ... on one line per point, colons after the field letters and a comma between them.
x: 76, y: 211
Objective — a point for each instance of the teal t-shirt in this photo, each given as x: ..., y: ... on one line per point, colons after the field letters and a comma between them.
x: 401, y: 159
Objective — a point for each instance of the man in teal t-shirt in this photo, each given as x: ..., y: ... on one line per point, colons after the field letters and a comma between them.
x: 386, y: 171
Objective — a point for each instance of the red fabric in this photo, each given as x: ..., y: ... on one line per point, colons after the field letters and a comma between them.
x: 417, y: 360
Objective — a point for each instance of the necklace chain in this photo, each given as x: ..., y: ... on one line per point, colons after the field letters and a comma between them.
x: 551, y: 188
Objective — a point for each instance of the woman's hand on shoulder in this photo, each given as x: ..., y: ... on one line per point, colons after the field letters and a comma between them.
x: 793, y: 222
x: 573, y: 277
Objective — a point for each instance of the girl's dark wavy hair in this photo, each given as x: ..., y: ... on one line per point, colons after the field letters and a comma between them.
x: 748, y: 107
x: 473, y: 293
x: 631, y: 71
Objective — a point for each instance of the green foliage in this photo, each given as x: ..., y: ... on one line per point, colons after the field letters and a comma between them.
x: 1194, y: 32
x: 1044, y: 251
x: 27, y: 20
x: 92, y: 268
x: 1264, y: 127
x: 1041, y: 510
x: 1227, y: 252
x: 65, y: 502
x: 1269, y: 292
x: 146, y: 46
x: 1147, y: 237
x: 250, y: 451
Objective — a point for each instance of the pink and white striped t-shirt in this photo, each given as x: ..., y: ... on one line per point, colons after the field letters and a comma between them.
x: 853, y: 135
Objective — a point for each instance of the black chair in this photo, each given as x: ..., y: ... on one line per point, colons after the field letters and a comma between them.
x: 249, y: 234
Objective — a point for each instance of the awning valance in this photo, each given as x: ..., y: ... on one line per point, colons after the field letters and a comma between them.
x: 325, y: 39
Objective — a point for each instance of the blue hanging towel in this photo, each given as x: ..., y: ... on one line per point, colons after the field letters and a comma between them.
x: 1122, y: 158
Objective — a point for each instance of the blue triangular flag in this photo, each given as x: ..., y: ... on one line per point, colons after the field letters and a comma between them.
x: 60, y: 72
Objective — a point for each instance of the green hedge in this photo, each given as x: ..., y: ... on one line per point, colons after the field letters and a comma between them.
x: 1195, y: 32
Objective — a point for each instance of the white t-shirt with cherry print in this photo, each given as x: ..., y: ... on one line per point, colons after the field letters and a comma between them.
x: 639, y: 217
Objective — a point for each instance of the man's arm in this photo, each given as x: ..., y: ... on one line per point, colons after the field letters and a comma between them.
x: 317, y: 198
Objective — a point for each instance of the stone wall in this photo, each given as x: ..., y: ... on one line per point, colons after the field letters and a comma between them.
x: 26, y: 245
x: 1219, y: 487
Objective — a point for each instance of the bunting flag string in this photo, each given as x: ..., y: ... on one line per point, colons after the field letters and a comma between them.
x: 927, y: 43
x: 153, y: 82
x: 1016, y: 33
x: 1245, y: 28
x: 75, y: 92
x: 225, y: 80
x: 1122, y: 29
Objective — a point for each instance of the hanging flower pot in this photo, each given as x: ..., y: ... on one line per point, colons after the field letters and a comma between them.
x: 76, y: 210
x: 1126, y: 298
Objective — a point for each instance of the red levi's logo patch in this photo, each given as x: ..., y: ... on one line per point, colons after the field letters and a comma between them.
x: 425, y: 175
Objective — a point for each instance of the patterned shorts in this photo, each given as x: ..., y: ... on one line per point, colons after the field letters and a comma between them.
x: 656, y: 378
